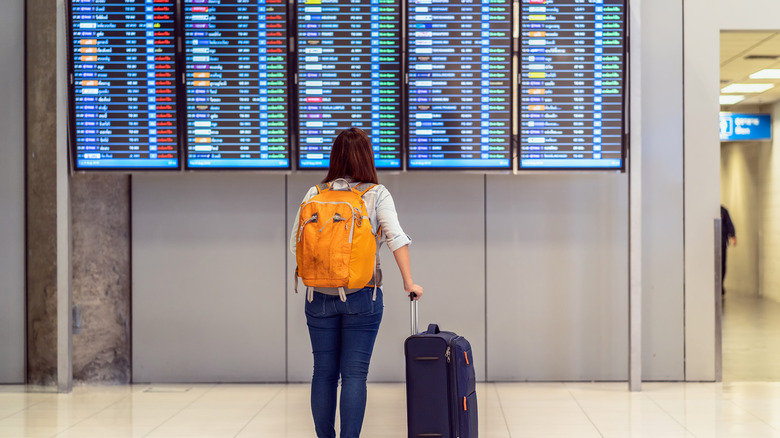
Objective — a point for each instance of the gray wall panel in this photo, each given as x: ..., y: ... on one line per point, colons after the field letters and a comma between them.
x: 557, y: 284
x: 208, y: 278
x: 12, y: 228
x: 663, y: 329
x: 444, y: 215
x: 701, y: 167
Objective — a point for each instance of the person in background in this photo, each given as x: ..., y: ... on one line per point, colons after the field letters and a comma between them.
x: 343, y: 329
x: 728, y: 236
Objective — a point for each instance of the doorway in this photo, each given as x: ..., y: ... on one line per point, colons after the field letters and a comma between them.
x: 750, y: 191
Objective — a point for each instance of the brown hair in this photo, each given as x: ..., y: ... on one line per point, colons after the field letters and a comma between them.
x: 352, y: 156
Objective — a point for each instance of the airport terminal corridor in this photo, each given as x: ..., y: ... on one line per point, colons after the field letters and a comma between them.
x: 748, y: 186
x: 561, y: 182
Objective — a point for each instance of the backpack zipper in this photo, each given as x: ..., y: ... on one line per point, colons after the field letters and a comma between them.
x: 352, y: 208
x: 300, y: 230
x: 336, y: 218
x: 355, y: 213
x: 352, y: 230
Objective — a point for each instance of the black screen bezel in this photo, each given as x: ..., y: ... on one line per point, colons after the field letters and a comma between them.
x: 183, y: 80
x: 72, y: 141
x: 624, y: 119
x: 512, y: 75
x: 402, y: 148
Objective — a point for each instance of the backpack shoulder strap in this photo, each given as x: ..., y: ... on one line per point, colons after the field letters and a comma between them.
x: 322, y: 187
x: 362, y: 188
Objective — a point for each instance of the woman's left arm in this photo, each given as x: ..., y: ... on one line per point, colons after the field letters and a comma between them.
x: 388, y: 221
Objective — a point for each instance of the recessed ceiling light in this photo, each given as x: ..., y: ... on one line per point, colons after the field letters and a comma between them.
x: 747, y: 88
x: 730, y: 99
x: 758, y: 57
x: 767, y: 73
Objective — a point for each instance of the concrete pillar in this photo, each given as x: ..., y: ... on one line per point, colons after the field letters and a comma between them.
x: 48, y: 221
x: 101, y: 278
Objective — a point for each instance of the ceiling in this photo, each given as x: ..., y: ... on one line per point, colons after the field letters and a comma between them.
x: 735, y: 47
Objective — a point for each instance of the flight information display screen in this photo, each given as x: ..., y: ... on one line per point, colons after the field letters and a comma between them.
x: 236, y: 82
x: 460, y: 84
x: 123, y: 89
x: 572, y: 84
x: 349, y: 75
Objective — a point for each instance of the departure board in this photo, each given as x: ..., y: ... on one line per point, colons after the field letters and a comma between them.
x: 349, y: 75
x: 123, y: 87
x: 460, y: 84
x: 236, y: 79
x: 571, y: 85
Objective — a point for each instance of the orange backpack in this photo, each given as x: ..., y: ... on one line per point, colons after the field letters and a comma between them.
x: 336, y: 246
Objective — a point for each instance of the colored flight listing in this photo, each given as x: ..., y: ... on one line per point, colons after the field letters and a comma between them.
x: 572, y: 84
x: 349, y: 75
x: 460, y: 84
x: 124, y: 84
x: 236, y: 82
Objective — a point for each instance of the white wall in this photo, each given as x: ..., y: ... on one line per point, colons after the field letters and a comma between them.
x: 740, y: 189
x: 739, y: 193
x: 12, y: 231
x: 769, y: 226
x: 744, y: 14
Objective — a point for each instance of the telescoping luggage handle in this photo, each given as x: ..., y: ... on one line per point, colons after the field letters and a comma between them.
x: 432, y: 328
x: 413, y: 314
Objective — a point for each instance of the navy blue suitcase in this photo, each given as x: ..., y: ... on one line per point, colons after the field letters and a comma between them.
x: 441, y: 398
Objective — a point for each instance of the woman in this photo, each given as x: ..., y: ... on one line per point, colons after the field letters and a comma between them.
x: 343, y: 332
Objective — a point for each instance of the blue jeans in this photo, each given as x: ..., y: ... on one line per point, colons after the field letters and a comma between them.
x: 342, y: 339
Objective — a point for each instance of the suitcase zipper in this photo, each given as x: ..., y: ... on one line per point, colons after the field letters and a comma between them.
x: 454, y: 399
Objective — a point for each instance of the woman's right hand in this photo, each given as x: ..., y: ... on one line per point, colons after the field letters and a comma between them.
x: 415, y: 289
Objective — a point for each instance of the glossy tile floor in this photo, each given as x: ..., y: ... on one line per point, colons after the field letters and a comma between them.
x: 751, y: 338
x: 746, y: 405
x: 748, y: 409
